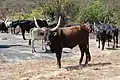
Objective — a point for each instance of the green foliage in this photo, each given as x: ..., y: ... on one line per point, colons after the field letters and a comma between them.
x: 54, y: 6
x: 35, y: 13
x: 49, y: 11
x: 24, y: 16
x: 75, y: 10
x: 95, y: 12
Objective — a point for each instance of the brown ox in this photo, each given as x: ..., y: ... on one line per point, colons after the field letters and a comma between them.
x: 59, y: 38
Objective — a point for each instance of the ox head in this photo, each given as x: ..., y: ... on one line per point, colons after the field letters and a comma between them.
x: 14, y: 23
x: 89, y: 26
x: 51, y: 33
x: 40, y: 23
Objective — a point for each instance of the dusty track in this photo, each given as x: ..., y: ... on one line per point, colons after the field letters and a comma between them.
x: 105, y: 65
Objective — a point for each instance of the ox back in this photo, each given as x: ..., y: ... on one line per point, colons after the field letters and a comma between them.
x: 69, y: 37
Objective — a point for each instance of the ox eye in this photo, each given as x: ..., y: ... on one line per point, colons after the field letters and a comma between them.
x: 41, y: 33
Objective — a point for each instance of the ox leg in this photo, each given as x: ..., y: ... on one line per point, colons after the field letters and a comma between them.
x: 33, y: 48
x: 18, y: 31
x: 14, y: 30
x: 98, y: 42
x: 103, y: 44
x: 11, y: 30
x: 116, y: 41
x: 117, y: 38
x: 58, y: 55
x: 82, y: 54
x: 42, y: 45
x: 23, y: 34
x: 88, y: 56
x: 45, y: 46
x: 113, y: 41
x: 108, y: 40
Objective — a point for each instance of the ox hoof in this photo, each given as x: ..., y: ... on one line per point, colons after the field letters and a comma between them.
x: 113, y: 46
x: 102, y: 49
x: 89, y: 59
x: 59, y: 67
x: 33, y: 51
x: 116, y: 46
x: 80, y: 67
x: 86, y: 65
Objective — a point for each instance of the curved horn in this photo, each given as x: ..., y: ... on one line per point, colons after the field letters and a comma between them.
x: 53, y: 29
x: 36, y: 22
x: 6, y: 20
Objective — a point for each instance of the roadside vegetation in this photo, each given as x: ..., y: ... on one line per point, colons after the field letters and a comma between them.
x: 76, y: 11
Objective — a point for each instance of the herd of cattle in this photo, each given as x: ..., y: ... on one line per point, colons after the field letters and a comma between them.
x: 58, y: 37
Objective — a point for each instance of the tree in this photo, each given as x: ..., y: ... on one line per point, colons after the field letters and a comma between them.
x: 95, y: 12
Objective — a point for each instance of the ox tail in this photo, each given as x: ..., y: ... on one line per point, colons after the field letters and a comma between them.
x: 88, y: 43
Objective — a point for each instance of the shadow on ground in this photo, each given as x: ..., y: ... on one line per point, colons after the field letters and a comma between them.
x: 112, y: 48
x: 8, y: 46
x: 69, y: 68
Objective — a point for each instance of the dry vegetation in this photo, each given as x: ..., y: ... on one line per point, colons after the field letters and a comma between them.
x: 10, y: 8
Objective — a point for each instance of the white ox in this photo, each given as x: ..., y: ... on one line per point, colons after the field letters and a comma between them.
x: 36, y: 34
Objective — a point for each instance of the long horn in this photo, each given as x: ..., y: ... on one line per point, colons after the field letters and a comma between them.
x: 53, y: 29
x: 36, y: 22
x: 6, y: 20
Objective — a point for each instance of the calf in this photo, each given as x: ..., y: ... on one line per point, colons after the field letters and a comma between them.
x: 58, y: 38
x: 36, y: 34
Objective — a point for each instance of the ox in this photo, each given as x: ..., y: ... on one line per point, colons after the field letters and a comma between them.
x: 100, y: 34
x: 14, y: 24
x: 112, y: 33
x: 36, y: 34
x: 26, y: 25
x: 3, y: 27
x: 7, y: 23
x: 59, y: 38
x: 105, y: 32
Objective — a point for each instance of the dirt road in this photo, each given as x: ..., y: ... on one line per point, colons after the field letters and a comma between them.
x: 18, y: 63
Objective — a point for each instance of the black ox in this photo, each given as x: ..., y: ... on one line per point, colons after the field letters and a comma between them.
x: 105, y: 32
x: 59, y: 38
x: 3, y: 27
x: 26, y: 25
